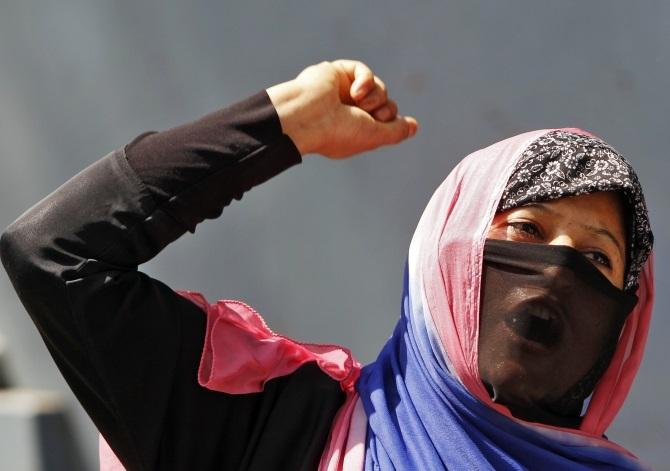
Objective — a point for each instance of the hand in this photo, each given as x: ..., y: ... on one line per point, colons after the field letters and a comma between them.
x: 338, y: 109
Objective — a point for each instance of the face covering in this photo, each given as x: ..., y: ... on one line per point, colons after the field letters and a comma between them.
x: 549, y: 324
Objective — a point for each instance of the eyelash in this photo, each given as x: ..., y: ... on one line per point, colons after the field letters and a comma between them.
x: 526, y: 229
x: 532, y: 231
x: 604, y: 259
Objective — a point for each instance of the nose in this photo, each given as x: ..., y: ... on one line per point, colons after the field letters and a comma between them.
x: 563, y: 239
x: 561, y: 279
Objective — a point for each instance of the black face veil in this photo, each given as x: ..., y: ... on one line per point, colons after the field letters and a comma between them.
x: 543, y: 294
x: 561, y: 284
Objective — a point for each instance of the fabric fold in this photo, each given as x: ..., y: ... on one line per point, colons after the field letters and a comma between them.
x: 241, y: 353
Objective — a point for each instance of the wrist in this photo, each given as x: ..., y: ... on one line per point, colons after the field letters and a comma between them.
x: 291, y: 105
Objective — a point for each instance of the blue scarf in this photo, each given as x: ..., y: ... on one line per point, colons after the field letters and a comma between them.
x: 420, y: 417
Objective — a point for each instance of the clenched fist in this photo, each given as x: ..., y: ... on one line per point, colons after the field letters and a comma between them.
x: 338, y: 109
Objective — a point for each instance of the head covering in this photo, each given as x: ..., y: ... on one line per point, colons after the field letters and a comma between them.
x: 426, y: 405
x: 565, y: 163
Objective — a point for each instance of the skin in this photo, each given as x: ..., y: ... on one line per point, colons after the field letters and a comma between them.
x: 524, y: 380
x: 339, y: 109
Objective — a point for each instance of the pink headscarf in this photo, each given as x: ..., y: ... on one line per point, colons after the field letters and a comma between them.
x: 447, y: 248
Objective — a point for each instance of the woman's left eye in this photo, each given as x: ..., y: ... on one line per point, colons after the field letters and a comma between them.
x: 599, y: 257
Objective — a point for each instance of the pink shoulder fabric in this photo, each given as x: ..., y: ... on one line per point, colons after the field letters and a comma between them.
x: 108, y: 460
x: 241, y: 353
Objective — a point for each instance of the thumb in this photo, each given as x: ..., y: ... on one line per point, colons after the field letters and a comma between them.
x: 393, y: 132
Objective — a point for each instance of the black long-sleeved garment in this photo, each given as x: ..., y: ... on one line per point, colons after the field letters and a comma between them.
x: 128, y: 345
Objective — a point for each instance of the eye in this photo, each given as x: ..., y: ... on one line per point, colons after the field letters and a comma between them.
x: 524, y: 229
x: 599, y: 257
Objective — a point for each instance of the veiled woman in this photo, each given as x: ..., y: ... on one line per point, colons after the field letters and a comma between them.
x: 526, y: 301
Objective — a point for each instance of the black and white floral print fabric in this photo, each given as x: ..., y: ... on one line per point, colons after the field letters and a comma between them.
x: 565, y: 163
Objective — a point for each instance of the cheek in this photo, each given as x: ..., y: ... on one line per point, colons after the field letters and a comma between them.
x: 516, y: 372
x: 619, y: 276
x: 594, y: 334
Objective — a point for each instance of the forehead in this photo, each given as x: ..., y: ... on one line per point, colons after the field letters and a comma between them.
x: 606, y: 205
x: 598, y: 213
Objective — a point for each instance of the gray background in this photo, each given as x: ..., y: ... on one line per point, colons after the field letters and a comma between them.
x: 319, y: 250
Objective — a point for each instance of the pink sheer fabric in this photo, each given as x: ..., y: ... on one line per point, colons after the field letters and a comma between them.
x: 261, y: 355
x: 108, y: 460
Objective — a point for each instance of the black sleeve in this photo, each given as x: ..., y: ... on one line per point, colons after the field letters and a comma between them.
x: 126, y: 343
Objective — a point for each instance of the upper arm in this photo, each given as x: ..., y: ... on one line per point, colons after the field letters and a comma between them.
x: 113, y: 331
x: 116, y: 335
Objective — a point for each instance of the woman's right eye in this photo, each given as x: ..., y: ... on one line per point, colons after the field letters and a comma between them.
x: 524, y: 229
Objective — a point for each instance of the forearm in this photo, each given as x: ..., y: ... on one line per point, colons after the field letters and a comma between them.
x: 193, y: 171
x: 124, y: 212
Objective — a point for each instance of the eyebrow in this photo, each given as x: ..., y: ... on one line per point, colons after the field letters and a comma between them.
x: 593, y: 229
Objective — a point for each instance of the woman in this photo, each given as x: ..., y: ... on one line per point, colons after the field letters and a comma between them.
x: 458, y: 385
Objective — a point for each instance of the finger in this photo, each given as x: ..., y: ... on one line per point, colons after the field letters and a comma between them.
x: 380, y: 133
x: 376, y: 98
x: 360, y: 75
x: 393, y: 132
x: 386, y: 112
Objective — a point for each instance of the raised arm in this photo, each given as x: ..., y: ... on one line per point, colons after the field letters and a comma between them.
x: 118, y: 336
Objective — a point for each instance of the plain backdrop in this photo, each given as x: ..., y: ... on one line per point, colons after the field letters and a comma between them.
x: 319, y: 250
